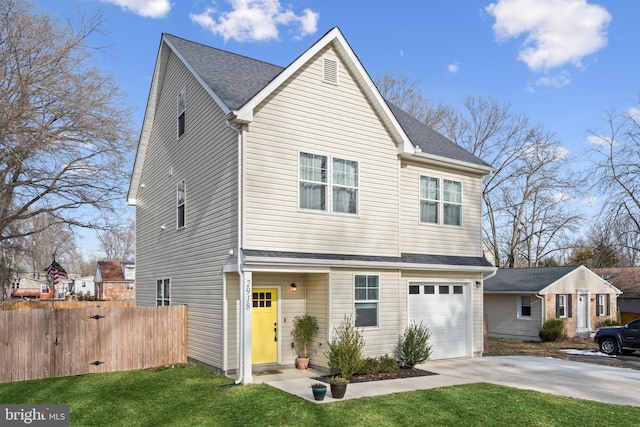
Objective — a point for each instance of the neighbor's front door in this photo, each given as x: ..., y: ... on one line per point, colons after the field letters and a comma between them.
x: 264, y: 336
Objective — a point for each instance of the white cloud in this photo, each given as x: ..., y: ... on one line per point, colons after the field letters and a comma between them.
x: 556, y: 81
x: 255, y: 20
x: 634, y: 114
x: 599, y: 140
x: 590, y: 201
x: 146, y: 8
x: 558, y: 32
x: 561, y: 197
x: 453, y: 68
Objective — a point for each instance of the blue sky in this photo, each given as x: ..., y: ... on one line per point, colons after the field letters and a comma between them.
x: 559, y: 62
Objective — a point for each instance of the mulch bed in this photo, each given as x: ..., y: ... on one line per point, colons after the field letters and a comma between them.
x: 362, y: 378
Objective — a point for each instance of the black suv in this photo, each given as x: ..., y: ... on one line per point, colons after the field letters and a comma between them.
x: 619, y: 339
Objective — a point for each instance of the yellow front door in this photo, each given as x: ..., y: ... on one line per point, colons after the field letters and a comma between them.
x: 264, y: 336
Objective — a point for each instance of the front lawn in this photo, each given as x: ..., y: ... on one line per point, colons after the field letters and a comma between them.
x: 192, y: 396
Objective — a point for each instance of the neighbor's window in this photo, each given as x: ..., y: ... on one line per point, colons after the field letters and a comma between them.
x: 563, y: 306
x: 182, y: 108
x: 180, y: 202
x: 313, y: 181
x: 524, y: 307
x: 440, y: 201
x: 163, y: 291
x: 367, y: 290
x: 603, y: 302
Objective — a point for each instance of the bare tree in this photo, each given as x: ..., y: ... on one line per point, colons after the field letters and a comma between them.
x: 118, y: 242
x: 616, y: 155
x: 406, y: 94
x: 65, y: 131
x: 526, y: 213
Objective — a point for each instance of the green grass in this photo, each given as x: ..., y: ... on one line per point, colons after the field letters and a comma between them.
x: 192, y: 396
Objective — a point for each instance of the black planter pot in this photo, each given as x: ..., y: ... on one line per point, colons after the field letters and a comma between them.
x: 338, y: 390
x: 319, y: 393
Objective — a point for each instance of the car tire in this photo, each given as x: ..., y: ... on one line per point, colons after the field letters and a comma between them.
x: 608, y: 346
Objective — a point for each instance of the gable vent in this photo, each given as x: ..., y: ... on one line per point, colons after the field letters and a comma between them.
x: 330, y: 71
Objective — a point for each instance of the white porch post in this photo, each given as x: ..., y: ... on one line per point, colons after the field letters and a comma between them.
x: 245, y: 332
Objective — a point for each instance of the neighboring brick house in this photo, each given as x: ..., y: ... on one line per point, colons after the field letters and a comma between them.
x: 115, y: 281
x: 627, y: 279
x: 518, y: 301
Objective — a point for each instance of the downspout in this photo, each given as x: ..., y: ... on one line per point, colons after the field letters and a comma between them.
x: 240, y: 255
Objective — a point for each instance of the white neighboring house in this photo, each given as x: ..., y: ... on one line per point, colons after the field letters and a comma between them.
x: 84, y: 285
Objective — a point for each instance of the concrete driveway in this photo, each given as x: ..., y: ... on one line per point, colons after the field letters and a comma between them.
x: 588, y: 381
x: 562, y: 377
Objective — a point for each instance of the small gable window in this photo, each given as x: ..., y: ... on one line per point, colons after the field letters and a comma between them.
x: 182, y: 108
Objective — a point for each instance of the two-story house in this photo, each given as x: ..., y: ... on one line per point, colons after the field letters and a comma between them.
x: 263, y: 193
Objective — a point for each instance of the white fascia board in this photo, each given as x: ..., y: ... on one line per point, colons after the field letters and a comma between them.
x: 245, y: 114
x: 457, y: 164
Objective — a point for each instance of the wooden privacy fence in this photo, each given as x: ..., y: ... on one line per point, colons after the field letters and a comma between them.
x: 73, y: 341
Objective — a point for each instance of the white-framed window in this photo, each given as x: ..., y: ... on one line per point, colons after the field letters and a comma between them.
x: 181, y: 111
x: 181, y: 203
x: 367, y: 299
x: 524, y: 307
x: 314, y: 183
x: 603, y: 302
x: 440, y: 201
x: 345, y: 186
x: 163, y: 292
x: 561, y: 305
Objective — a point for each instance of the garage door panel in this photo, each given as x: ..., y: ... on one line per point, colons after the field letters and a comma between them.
x: 445, y: 314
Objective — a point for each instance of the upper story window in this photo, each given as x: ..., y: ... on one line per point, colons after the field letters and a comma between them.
x: 180, y: 203
x: 182, y: 108
x: 440, y: 201
x: 314, y: 183
x: 367, y: 291
x: 345, y: 186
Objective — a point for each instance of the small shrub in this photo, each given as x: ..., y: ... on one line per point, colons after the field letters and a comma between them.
x: 414, y: 345
x: 371, y: 366
x: 345, y: 351
x: 388, y: 364
x: 552, y: 330
x: 610, y: 321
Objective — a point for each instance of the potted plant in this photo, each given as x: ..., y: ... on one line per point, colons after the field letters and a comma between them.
x: 304, y: 328
x: 345, y: 355
x: 319, y: 390
x: 338, y: 386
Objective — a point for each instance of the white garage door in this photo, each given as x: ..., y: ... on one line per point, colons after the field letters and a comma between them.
x: 443, y: 308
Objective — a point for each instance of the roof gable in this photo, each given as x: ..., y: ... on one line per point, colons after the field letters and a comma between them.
x: 238, y: 84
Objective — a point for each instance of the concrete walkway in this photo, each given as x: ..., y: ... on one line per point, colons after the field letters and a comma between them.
x: 561, y: 377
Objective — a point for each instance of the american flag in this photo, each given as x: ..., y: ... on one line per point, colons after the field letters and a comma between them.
x: 56, y: 271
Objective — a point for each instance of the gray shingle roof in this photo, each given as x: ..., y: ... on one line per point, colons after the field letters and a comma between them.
x: 236, y: 79
x: 525, y: 279
x: 405, y: 258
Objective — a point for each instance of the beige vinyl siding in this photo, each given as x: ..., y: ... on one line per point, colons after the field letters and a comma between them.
x: 501, y: 310
x: 448, y: 276
x: 579, y: 279
x: 378, y: 340
x: 205, y: 156
x: 440, y: 239
x: 308, y: 115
